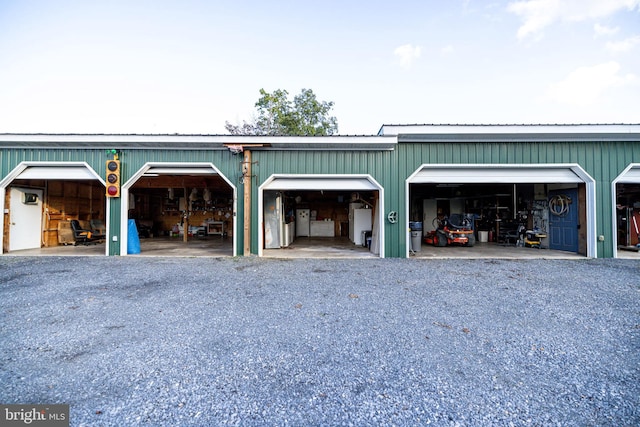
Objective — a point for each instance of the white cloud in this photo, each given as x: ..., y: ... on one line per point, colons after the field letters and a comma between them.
x: 538, y: 14
x: 407, y: 54
x: 624, y: 45
x: 603, y: 30
x: 585, y: 85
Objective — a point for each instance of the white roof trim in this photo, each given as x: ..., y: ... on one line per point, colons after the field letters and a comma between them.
x: 389, y: 130
x: 199, y: 142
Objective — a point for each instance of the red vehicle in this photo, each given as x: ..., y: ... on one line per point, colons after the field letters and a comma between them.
x: 446, y: 233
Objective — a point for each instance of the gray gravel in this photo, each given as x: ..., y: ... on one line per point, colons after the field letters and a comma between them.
x: 248, y: 341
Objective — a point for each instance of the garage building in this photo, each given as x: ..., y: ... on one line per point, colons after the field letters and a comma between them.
x: 576, y: 186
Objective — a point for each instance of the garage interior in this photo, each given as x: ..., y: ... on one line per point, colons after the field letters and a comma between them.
x: 61, y: 201
x: 320, y: 223
x: 508, y: 215
x: 160, y: 205
x: 188, y: 211
x: 628, y: 218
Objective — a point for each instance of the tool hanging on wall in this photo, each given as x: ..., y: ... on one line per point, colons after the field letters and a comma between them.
x: 635, y: 223
x: 559, y: 204
x: 244, y: 168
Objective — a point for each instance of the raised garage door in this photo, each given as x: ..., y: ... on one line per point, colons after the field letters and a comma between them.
x: 511, y: 174
x: 631, y: 175
x: 494, y: 175
x: 44, y: 171
x: 327, y: 183
x: 57, y: 173
x: 171, y: 169
x: 323, y: 183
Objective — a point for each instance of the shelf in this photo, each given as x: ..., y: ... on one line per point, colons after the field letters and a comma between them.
x: 215, y: 227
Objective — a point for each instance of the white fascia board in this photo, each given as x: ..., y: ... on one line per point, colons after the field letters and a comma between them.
x: 323, y: 142
x: 595, y: 129
x: 199, y: 141
x: 103, y: 138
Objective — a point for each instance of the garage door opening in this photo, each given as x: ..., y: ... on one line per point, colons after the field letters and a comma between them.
x: 494, y: 207
x: 44, y: 201
x: 320, y: 217
x: 180, y: 210
x: 626, y: 189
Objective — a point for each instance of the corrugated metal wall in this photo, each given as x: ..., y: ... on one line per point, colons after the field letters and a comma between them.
x: 227, y: 163
x: 604, y: 161
x: 131, y: 162
x: 381, y: 165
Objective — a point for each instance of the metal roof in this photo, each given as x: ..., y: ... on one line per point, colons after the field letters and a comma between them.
x: 512, y: 132
x: 197, y: 142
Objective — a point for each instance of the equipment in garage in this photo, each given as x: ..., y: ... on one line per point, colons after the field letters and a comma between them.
x: 628, y: 228
x: 448, y: 234
x: 507, y: 214
x: 533, y: 238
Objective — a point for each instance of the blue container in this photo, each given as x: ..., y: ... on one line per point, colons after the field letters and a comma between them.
x: 133, y: 240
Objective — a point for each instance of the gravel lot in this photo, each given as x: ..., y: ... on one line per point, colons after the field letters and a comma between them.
x: 248, y: 341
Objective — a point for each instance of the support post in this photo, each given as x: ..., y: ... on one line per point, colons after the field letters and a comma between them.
x: 185, y: 218
x: 247, y: 178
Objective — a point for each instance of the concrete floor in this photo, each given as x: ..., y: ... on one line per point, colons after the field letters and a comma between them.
x: 213, y: 246
x: 305, y: 247
x: 320, y: 247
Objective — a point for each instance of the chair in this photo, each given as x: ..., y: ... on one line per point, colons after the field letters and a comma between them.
x: 97, y: 226
x: 83, y: 235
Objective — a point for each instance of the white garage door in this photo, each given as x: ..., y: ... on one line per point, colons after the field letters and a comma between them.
x: 467, y: 174
x: 321, y: 183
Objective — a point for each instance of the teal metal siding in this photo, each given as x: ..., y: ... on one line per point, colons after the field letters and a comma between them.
x: 227, y: 163
x: 602, y: 160
x: 11, y: 157
x: 131, y: 161
x: 381, y: 165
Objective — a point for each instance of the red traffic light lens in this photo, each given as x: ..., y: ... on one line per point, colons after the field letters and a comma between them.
x: 112, y: 190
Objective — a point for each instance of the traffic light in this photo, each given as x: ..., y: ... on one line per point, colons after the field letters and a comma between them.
x: 113, y: 178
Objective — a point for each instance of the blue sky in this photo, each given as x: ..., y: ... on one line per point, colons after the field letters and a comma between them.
x: 188, y: 66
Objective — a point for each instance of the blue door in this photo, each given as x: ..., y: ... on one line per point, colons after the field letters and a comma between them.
x: 563, y: 220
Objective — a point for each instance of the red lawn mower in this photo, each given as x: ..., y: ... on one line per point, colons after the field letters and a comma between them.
x: 446, y: 233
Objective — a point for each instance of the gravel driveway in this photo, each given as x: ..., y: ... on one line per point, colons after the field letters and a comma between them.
x: 248, y: 341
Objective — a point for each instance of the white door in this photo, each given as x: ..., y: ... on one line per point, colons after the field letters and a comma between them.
x: 25, y: 219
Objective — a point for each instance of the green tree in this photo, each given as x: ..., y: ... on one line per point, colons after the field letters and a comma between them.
x: 278, y: 115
